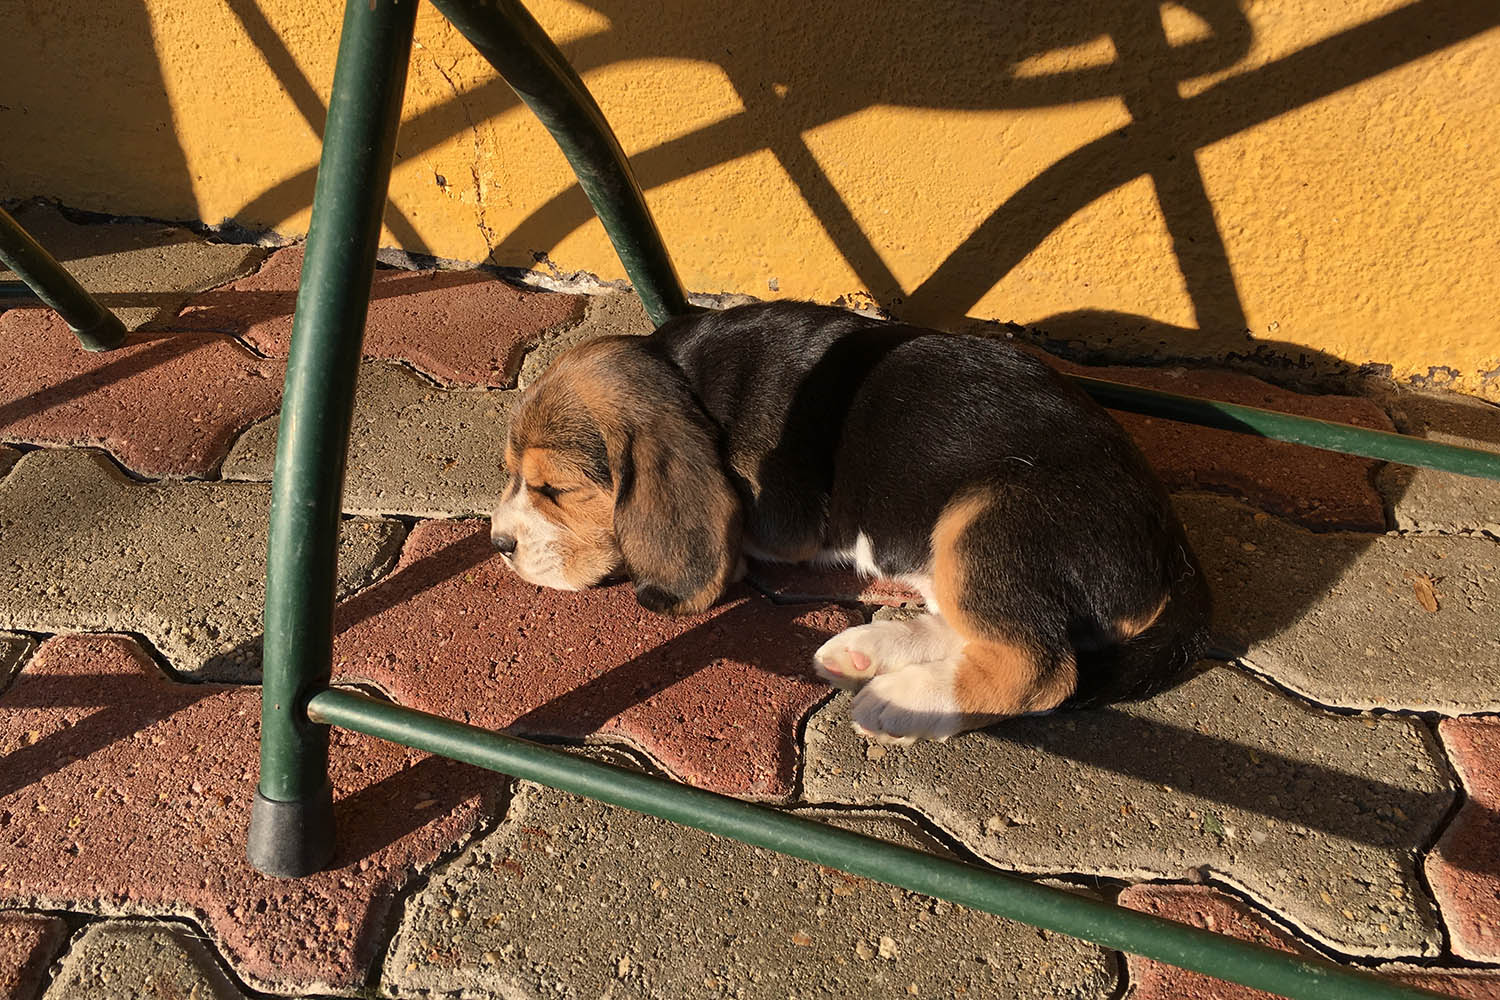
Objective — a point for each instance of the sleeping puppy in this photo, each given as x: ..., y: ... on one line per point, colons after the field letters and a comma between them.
x: 1052, y: 564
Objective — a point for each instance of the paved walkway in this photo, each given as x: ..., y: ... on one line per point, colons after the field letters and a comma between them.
x: 1331, y: 786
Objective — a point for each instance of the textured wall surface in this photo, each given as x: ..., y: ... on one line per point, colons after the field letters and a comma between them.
x: 1197, y: 179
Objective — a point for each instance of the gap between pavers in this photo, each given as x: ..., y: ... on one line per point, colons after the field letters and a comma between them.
x: 164, y: 404
x: 1353, y: 620
x: 459, y: 327
x: 1429, y: 500
x: 1318, y: 815
x: 414, y: 449
x: 1211, y: 909
x: 28, y: 944
x: 575, y: 898
x: 83, y: 548
x: 1464, y: 867
x: 129, y: 795
x: 14, y: 649
x: 143, y: 272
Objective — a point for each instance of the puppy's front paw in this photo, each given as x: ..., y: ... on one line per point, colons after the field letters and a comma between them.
x: 909, y: 705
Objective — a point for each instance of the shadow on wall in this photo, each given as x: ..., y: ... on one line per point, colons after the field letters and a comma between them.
x: 833, y: 60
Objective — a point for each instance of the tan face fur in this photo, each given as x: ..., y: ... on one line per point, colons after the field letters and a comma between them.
x: 614, y: 468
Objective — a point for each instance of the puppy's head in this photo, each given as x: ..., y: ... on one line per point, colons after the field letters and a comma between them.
x: 615, y: 467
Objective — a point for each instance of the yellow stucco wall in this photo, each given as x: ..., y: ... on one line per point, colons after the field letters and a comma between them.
x: 1198, y: 178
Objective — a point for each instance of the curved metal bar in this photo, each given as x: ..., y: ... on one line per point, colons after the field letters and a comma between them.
x: 291, y: 831
x: 509, y: 37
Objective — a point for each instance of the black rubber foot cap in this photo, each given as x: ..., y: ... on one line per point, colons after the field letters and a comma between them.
x: 291, y: 839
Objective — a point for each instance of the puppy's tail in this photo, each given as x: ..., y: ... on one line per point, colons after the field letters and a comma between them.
x: 1157, y: 657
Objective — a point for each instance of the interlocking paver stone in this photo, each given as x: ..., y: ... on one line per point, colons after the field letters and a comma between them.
x: 1464, y: 868
x: 716, y: 697
x: 142, y: 271
x: 165, y: 404
x: 605, y: 315
x: 1322, y: 489
x: 413, y: 448
x: 1318, y: 815
x: 130, y: 795
x: 1221, y: 913
x: 28, y: 943
x: 82, y: 548
x: 1340, y: 617
x: 1428, y: 500
x: 575, y: 898
x: 460, y: 327
x: 132, y: 960
x: 8, y: 457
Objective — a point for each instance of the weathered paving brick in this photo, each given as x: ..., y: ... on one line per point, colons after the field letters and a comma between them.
x: 165, y: 404
x: 28, y: 943
x: 716, y: 698
x: 1221, y: 913
x: 413, y: 448
x: 133, y: 793
x: 130, y: 960
x: 460, y: 327
x: 1428, y: 500
x: 1359, y: 621
x: 82, y: 548
x: 1320, y: 816
x: 611, y: 314
x: 1464, y: 868
x: 1322, y: 489
x: 575, y: 898
x: 142, y: 271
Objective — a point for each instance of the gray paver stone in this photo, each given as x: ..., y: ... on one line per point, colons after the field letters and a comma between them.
x: 142, y: 271
x: 130, y: 960
x: 83, y: 548
x: 613, y: 313
x: 1428, y: 500
x: 1340, y: 617
x: 1319, y: 816
x: 413, y: 448
x: 574, y: 898
x: 8, y: 458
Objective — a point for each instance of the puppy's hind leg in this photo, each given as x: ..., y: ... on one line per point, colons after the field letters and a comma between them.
x: 1008, y: 654
x: 857, y: 654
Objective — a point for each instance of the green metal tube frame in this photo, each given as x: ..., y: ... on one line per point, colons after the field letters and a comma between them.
x: 993, y: 892
x: 292, y: 829
x: 96, y: 327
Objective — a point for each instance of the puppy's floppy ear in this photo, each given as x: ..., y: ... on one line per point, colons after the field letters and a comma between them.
x: 677, y: 519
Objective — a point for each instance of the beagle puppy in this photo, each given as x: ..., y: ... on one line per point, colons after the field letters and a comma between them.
x: 1053, y: 566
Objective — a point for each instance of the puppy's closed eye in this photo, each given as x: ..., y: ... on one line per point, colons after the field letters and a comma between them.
x: 547, y: 490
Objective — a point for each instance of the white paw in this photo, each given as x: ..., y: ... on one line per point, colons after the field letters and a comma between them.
x: 857, y: 654
x: 913, y: 704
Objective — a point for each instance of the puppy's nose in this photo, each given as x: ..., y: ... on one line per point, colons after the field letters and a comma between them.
x: 504, y: 544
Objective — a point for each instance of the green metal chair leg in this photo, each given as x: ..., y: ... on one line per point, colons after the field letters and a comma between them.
x: 512, y: 41
x: 97, y: 328
x: 291, y: 828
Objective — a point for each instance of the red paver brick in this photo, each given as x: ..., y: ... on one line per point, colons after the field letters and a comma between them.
x: 460, y: 327
x: 164, y: 404
x: 1464, y: 868
x: 793, y: 582
x: 716, y: 698
x: 28, y: 943
x: 126, y: 793
x: 1321, y: 489
x: 1212, y: 910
